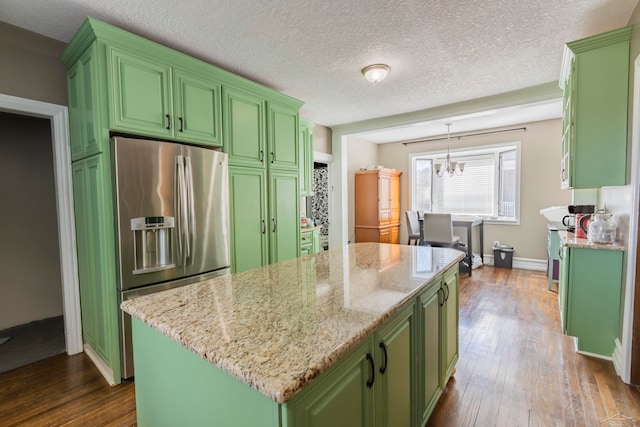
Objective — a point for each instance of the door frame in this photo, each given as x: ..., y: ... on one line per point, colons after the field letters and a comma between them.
x: 58, y: 116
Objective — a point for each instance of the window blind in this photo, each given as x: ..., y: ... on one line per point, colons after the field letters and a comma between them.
x: 470, y: 193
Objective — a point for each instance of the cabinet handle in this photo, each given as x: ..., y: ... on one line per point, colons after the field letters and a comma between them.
x: 273, y: 157
x: 373, y: 371
x: 264, y: 227
x: 275, y: 224
x: 181, y: 124
x: 261, y: 156
x: 560, y: 253
x: 383, y: 368
x: 168, y: 121
x: 441, y: 302
x: 446, y: 298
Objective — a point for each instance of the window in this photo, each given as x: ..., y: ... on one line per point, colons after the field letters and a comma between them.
x: 489, y: 185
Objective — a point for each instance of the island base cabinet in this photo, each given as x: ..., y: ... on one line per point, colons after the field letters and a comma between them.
x: 430, y: 361
x: 175, y: 387
x: 339, y: 399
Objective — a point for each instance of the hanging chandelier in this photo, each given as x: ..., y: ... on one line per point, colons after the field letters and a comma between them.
x: 448, y: 167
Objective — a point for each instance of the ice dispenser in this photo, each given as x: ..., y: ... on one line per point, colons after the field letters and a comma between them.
x: 152, y: 243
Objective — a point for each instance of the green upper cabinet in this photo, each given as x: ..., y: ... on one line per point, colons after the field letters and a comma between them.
x: 84, y: 109
x: 282, y: 137
x: 305, y: 136
x: 244, y: 124
x: 595, y: 80
x: 152, y: 98
x: 197, y: 109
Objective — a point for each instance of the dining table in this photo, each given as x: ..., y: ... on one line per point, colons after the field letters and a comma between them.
x: 468, y: 222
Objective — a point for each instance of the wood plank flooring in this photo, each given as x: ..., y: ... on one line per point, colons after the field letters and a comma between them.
x: 515, y: 369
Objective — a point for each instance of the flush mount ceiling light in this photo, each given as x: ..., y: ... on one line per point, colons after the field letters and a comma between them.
x: 376, y: 72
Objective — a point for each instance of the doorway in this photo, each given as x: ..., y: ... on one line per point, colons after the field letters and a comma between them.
x: 62, y: 221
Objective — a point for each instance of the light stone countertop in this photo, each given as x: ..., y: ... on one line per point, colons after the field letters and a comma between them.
x: 309, y: 229
x: 570, y: 240
x: 278, y: 327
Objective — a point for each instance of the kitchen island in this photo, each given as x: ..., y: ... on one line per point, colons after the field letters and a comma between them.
x: 351, y: 336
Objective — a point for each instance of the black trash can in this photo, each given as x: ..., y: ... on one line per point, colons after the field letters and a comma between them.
x: 503, y: 256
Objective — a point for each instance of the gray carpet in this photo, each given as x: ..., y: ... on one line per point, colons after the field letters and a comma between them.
x: 31, y: 342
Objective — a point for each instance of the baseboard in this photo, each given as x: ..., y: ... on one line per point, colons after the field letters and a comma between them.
x: 104, y: 369
x: 586, y: 353
x: 522, y: 263
x: 618, y: 360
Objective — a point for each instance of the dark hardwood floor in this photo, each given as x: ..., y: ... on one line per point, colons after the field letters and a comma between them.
x: 515, y: 369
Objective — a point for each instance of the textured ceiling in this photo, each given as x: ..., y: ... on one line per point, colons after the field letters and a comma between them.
x: 440, y: 52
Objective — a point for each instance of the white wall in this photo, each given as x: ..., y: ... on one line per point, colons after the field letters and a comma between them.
x: 30, y: 283
x: 360, y: 154
x: 322, y: 139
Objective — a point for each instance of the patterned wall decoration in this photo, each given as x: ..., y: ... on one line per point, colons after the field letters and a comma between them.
x: 320, y: 203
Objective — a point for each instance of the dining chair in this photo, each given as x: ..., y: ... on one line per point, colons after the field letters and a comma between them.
x: 413, y: 227
x: 437, y: 230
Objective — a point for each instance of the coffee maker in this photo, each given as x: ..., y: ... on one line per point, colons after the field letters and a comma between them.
x: 569, y: 221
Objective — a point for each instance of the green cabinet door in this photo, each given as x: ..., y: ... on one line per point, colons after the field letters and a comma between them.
x: 340, y: 397
x: 393, y: 385
x: 315, y: 246
x: 141, y: 91
x: 96, y: 259
x: 563, y: 285
x: 244, y: 128
x: 284, y: 216
x: 282, y: 137
x: 248, y: 218
x: 84, y: 111
x: 450, y: 323
x: 596, y: 102
x: 593, y: 299
x: 197, y: 109
x: 429, y: 382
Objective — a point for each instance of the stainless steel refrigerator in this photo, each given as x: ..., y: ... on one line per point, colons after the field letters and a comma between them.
x: 172, y: 203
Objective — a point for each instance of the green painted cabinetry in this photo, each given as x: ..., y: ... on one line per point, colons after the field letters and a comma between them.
x: 589, y: 298
x: 96, y: 265
x: 284, y: 208
x: 309, y: 241
x: 429, y: 384
x: 152, y: 98
x: 595, y: 81
x: 248, y: 218
x: 122, y: 83
x: 306, y: 157
x: 450, y: 307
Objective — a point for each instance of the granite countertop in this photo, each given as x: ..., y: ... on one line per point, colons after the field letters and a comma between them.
x: 309, y: 229
x: 570, y: 240
x: 278, y: 327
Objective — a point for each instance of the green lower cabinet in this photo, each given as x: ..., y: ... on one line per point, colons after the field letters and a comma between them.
x: 593, y: 287
x: 248, y: 218
x: 96, y: 259
x: 450, y: 324
x: 309, y: 241
x: 394, y: 377
x: 430, y: 363
x: 340, y: 398
x: 563, y: 286
x: 284, y: 216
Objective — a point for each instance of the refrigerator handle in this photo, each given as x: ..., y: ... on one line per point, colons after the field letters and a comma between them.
x: 191, y: 218
x: 181, y: 211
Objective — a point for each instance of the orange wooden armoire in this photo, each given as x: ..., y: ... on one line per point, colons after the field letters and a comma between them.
x: 377, y: 205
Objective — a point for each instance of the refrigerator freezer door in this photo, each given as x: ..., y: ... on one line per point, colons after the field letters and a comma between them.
x: 208, y: 217
x: 145, y: 185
